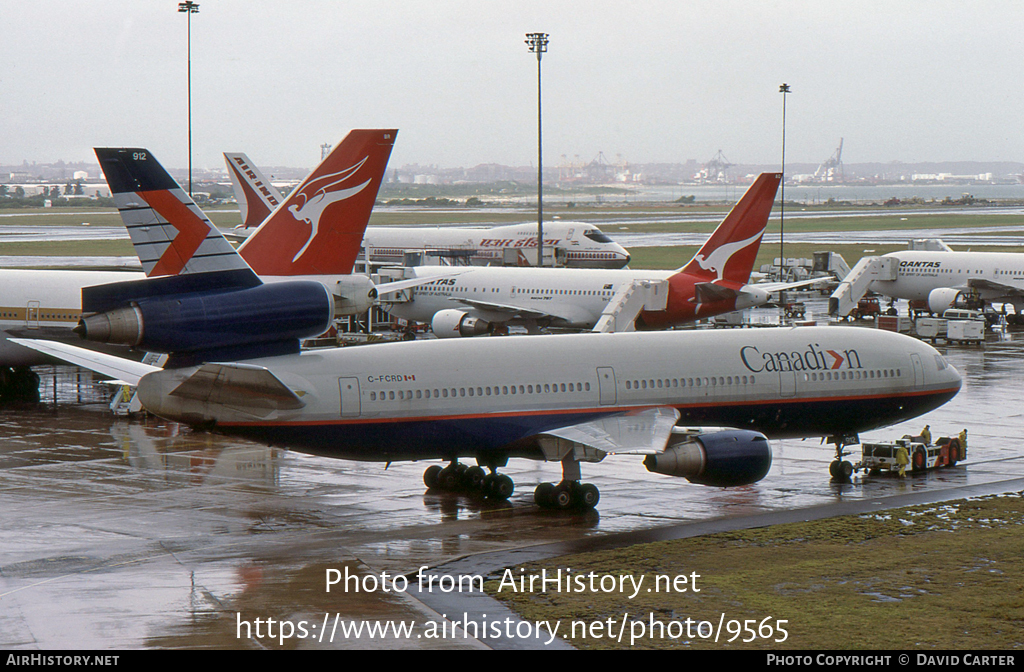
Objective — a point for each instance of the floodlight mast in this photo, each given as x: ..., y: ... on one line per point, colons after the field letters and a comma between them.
x: 538, y: 43
x: 188, y: 7
x: 784, y: 89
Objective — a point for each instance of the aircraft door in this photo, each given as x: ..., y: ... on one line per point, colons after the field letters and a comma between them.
x: 350, y: 400
x: 32, y: 315
x: 787, y: 383
x: 606, y: 385
x: 915, y: 362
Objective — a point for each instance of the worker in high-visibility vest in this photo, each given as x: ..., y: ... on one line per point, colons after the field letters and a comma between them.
x: 926, y: 435
x: 902, y: 460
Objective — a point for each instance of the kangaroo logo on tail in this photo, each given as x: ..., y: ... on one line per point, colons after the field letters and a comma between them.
x: 720, y: 256
x: 318, y: 228
x: 317, y: 195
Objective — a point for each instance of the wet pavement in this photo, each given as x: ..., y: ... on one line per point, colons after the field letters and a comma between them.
x: 122, y: 534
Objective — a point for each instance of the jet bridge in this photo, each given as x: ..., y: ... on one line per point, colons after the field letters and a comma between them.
x: 855, y: 285
x: 622, y: 310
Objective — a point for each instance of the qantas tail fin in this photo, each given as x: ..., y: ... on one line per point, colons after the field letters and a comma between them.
x: 319, y: 227
x: 170, y: 233
x: 255, y: 195
x: 728, y: 255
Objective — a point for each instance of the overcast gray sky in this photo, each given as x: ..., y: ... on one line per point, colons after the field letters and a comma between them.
x: 652, y: 80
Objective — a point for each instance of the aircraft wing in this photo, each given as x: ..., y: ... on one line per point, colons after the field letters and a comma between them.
x: 238, y: 385
x: 636, y: 433
x: 771, y: 287
x: 991, y: 286
x: 398, y: 285
x: 510, y: 311
x: 124, y: 371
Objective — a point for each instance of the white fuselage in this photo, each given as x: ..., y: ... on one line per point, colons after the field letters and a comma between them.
x: 584, y: 244
x: 918, y: 272
x: 42, y: 304
x: 422, y: 398
x: 575, y: 297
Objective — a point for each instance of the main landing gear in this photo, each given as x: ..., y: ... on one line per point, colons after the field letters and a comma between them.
x: 19, y: 384
x: 458, y: 477
x: 569, y: 493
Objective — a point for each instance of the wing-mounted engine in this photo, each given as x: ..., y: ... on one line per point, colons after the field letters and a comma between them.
x: 199, y: 317
x: 724, y: 458
x: 452, y: 323
x: 942, y: 299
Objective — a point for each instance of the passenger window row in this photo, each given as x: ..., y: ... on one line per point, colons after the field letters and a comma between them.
x: 713, y: 381
x: 496, y: 390
x: 852, y: 375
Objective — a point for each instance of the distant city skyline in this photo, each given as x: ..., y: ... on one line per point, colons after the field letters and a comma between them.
x: 658, y: 81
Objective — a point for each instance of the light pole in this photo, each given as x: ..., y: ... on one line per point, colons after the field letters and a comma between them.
x: 188, y: 7
x: 538, y: 43
x: 784, y: 89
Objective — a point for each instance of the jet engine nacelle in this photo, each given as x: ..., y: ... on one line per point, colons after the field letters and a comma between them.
x: 452, y: 323
x: 197, y: 321
x: 353, y: 295
x: 942, y: 299
x: 725, y: 458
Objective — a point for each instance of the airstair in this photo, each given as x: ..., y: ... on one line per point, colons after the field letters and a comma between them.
x: 855, y: 285
x: 621, y: 312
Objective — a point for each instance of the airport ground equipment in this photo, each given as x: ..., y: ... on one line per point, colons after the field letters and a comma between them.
x: 846, y: 298
x: 955, y: 326
x: 877, y: 457
x: 626, y: 305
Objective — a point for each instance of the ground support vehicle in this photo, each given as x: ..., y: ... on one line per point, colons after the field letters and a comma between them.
x: 879, y: 457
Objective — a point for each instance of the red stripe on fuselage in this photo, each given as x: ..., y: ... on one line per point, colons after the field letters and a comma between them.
x: 596, y: 411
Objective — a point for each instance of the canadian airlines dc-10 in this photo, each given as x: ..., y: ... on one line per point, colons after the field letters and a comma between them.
x: 477, y: 300
x: 583, y: 245
x: 568, y: 398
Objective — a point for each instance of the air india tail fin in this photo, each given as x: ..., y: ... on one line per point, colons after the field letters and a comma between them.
x: 319, y: 227
x: 255, y: 195
x: 729, y: 253
x: 170, y: 233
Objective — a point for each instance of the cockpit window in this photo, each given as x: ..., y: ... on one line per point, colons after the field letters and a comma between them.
x: 940, y: 363
x: 597, y: 235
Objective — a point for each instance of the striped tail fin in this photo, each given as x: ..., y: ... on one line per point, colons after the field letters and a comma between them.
x: 170, y: 233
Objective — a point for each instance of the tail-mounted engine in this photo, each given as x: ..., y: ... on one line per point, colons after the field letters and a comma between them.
x: 190, y: 314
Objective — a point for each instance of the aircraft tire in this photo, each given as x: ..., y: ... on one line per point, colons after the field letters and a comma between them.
x: 501, y: 487
x: 562, y: 497
x: 430, y: 476
x: 589, y: 495
x: 448, y: 478
x: 542, y: 495
x: 474, y: 478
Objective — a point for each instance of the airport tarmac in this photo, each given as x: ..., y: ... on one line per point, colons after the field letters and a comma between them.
x: 120, y: 534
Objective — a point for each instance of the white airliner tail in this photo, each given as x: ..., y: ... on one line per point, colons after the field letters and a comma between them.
x: 255, y: 195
